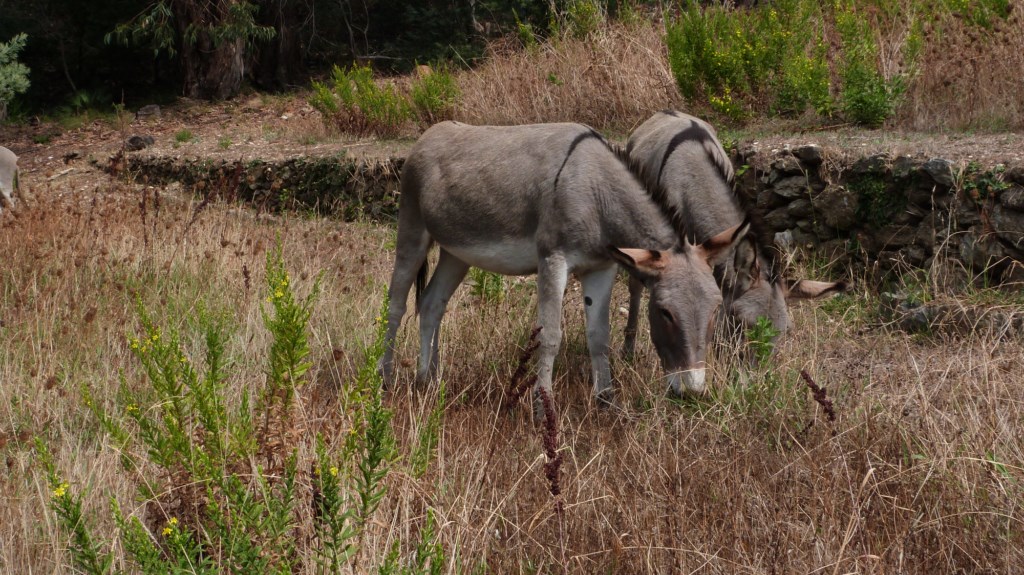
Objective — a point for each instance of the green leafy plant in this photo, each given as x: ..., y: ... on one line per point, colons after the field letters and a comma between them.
x: 183, y: 136
x: 13, y: 74
x: 355, y: 102
x: 486, y: 285
x: 434, y: 95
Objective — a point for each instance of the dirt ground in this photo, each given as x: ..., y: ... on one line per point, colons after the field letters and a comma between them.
x: 55, y: 160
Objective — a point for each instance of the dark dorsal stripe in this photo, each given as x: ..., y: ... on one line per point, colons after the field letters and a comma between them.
x: 694, y: 133
x: 657, y: 193
x: 590, y: 133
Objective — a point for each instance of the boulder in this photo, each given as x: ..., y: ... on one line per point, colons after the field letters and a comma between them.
x: 778, y: 219
x: 1009, y: 225
x: 792, y: 187
x: 873, y: 165
x: 940, y: 171
x: 837, y: 206
x: 809, y: 154
x: 1012, y: 198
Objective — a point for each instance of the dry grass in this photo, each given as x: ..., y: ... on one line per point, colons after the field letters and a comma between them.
x: 922, y: 471
x: 970, y: 78
x: 612, y: 80
x: 967, y: 78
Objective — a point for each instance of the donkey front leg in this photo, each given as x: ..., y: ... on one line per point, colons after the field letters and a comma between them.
x: 636, y: 291
x: 434, y: 300
x: 413, y: 245
x: 552, y: 276
x: 597, y: 296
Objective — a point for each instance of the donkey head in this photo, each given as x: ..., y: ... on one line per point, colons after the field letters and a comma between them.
x: 751, y: 292
x: 684, y: 301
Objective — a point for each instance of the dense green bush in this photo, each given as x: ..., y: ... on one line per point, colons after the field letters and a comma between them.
x: 355, y: 102
x: 13, y: 74
x: 793, y: 56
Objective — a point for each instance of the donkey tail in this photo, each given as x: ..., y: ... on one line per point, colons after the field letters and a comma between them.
x: 421, y: 281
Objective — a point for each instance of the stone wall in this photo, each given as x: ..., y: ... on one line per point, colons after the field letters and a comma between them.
x: 893, y: 212
x: 351, y: 189
x: 896, y: 212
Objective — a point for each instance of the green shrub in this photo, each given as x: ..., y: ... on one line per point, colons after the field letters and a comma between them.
x: 184, y: 136
x: 224, y: 474
x: 355, y: 103
x: 868, y: 98
x: 13, y: 74
x: 434, y: 95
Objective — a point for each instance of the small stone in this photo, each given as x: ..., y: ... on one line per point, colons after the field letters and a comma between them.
x: 1015, y: 175
x: 1009, y: 225
x: 800, y: 208
x: 940, y: 171
x: 1012, y: 198
x: 148, y: 111
x: 778, y: 219
x: 792, y: 187
x: 136, y: 143
x: 871, y: 165
x: 809, y: 154
x: 837, y: 206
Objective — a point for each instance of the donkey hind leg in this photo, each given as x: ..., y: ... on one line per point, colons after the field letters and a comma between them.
x: 636, y: 290
x: 552, y: 277
x: 597, y: 296
x: 413, y: 245
x: 434, y: 300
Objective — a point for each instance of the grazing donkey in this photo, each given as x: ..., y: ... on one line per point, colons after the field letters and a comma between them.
x: 8, y: 177
x: 550, y: 199
x: 682, y: 154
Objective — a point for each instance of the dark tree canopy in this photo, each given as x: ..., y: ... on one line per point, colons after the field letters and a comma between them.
x: 134, y: 51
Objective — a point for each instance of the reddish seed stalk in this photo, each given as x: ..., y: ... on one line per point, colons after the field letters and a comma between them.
x: 819, y: 395
x: 518, y: 386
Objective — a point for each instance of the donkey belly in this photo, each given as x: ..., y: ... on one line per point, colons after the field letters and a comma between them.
x: 511, y: 257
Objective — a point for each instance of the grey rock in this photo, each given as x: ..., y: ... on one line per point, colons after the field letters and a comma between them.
x: 802, y: 239
x: 1015, y: 175
x: 136, y: 143
x: 837, y: 207
x: 895, y: 236
x: 979, y: 251
x: 809, y: 154
x: 787, y: 165
x: 904, y: 166
x: 148, y: 111
x: 784, y: 240
x: 1009, y: 225
x: 800, y: 208
x: 920, y: 196
x: 805, y: 225
x: 871, y: 165
x: 778, y: 219
x: 768, y: 200
x: 940, y: 171
x: 792, y: 187
x: 1012, y: 198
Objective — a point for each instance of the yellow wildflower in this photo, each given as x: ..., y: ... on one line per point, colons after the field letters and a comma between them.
x: 167, y: 531
x: 172, y: 521
x: 279, y: 294
x: 61, y: 490
x: 334, y: 471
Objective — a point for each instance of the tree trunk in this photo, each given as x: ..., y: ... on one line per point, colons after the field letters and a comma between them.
x: 279, y: 64
x: 210, y: 71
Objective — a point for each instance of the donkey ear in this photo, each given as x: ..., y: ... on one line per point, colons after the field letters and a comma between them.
x: 810, y: 289
x: 719, y: 249
x: 641, y: 263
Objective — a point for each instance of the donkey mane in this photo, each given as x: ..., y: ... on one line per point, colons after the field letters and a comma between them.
x: 680, y: 223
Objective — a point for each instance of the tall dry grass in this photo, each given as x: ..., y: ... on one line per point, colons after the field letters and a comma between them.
x: 970, y: 77
x: 922, y: 471
x: 966, y: 77
x: 612, y: 79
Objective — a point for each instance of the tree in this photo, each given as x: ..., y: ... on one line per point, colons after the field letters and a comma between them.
x: 13, y: 74
x: 213, y: 38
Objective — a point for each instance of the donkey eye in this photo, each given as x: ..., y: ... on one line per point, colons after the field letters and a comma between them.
x: 667, y: 315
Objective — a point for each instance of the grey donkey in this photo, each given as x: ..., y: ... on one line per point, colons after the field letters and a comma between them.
x: 550, y: 199
x: 8, y: 177
x: 682, y: 154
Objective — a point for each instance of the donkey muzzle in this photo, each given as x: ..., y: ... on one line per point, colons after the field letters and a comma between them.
x: 688, y: 381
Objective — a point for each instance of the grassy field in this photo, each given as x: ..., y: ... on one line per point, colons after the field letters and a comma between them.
x: 921, y: 470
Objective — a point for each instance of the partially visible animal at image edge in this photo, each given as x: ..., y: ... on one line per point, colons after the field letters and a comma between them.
x: 8, y: 178
x: 683, y: 154
x: 551, y: 199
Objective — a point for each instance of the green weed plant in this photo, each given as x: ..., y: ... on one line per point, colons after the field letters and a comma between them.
x: 224, y: 474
